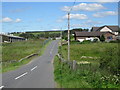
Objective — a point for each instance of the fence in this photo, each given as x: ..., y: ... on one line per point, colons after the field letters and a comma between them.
x: 74, y: 64
x: 83, y: 71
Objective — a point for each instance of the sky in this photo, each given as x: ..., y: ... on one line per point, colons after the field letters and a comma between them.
x: 44, y: 16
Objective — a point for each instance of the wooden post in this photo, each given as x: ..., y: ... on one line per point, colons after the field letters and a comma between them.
x: 68, y: 36
x: 74, y: 65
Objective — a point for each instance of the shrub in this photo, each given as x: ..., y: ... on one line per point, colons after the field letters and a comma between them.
x: 75, y: 42
x: 54, y: 38
x: 110, y: 60
x: 117, y: 41
x: 102, y: 38
x: 86, y: 42
x: 95, y: 40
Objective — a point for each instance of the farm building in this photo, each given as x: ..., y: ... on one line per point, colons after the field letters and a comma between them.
x: 109, y: 32
x: 11, y: 38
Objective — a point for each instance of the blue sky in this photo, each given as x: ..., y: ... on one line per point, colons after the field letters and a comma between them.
x: 39, y: 16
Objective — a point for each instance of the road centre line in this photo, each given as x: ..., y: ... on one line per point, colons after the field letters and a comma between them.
x: 33, y: 68
x: 52, y: 48
x: 21, y: 76
x: 1, y: 87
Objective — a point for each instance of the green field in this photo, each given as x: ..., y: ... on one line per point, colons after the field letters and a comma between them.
x: 92, y: 50
x: 12, y: 52
x: 101, y: 72
x: 18, y: 50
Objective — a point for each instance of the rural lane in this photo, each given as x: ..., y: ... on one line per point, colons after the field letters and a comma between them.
x: 36, y: 74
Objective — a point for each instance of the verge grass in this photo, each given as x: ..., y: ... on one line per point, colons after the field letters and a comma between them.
x: 89, y: 76
x: 18, y: 50
x: 92, y: 50
x: 12, y: 52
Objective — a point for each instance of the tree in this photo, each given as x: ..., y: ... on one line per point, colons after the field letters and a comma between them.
x: 46, y: 34
x: 27, y: 35
x: 102, y: 38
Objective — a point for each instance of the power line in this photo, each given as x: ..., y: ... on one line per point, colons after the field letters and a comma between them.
x: 72, y: 6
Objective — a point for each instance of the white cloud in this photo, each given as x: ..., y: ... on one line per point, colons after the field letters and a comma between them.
x: 56, y: 29
x: 106, y: 13
x: 18, y: 10
x: 85, y: 7
x: 80, y: 25
x: 76, y: 16
x: 87, y: 24
x: 92, y: 22
x: 59, y: 20
x: 7, y: 19
x: 18, y: 20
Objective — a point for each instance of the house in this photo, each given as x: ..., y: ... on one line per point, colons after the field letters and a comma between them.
x: 109, y: 32
x: 58, y: 38
x: 113, y: 29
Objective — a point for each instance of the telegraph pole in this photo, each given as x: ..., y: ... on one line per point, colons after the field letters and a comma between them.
x: 68, y: 36
x: 61, y: 37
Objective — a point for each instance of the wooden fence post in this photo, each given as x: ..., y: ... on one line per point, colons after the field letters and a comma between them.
x: 74, y: 65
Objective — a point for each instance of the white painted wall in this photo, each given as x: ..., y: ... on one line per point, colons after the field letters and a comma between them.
x: 105, y: 29
x: 116, y: 33
x: 81, y: 40
x: 58, y: 38
x: 91, y: 39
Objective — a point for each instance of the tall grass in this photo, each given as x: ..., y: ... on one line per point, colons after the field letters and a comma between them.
x: 103, y: 72
x: 12, y: 52
x: 92, y: 49
x: 18, y: 50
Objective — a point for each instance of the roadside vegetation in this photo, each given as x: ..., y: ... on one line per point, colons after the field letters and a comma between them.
x: 100, y: 71
x: 37, y: 35
x: 13, y: 52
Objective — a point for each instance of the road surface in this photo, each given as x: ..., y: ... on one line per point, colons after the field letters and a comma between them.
x: 36, y: 74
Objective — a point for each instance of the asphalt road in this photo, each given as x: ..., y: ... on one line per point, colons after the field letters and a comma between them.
x: 36, y: 74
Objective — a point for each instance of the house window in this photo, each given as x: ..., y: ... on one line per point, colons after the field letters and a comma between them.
x: 110, y: 38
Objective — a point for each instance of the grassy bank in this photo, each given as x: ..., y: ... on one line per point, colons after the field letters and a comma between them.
x: 92, y: 50
x: 18, y: 50
x: 12, y: 52
x: 102, y: 72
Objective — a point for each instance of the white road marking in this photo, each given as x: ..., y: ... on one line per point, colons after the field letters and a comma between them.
x: 52, y: 48
x: 33, y: 68
x: 1, y: 87
x: 21, y: 76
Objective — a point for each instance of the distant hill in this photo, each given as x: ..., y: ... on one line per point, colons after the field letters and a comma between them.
x: 46, y: 34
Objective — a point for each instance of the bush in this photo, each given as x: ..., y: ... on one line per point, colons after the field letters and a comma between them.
x: 117, y: 41
x: 95, y: 40
x: 86, y: 42
x: 98, y: 74
x: 54, y: 38
x: 110, y: 60
x: 102, y: 38
x: 74, y: 42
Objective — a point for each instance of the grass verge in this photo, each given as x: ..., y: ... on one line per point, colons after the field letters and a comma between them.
x: 89, y: 75
x: 34, y: 48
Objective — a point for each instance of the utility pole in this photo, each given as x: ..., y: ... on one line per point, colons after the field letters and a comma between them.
x: 68, y: 36
x: 61, y: 37
x: 61, y: 42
